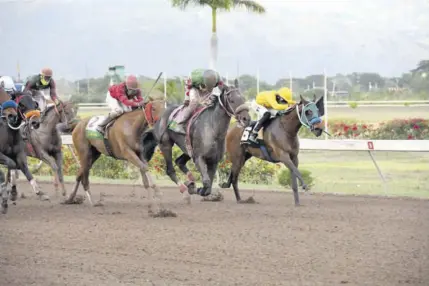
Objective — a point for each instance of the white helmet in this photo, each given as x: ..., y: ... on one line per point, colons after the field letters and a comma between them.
x: 6, y: 82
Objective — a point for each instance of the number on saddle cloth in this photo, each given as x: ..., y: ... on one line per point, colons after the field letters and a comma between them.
x: 91, y: 128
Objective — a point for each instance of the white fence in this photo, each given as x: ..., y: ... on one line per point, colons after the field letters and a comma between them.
x: 330, y: 104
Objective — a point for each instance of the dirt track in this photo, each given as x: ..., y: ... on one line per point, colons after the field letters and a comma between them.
x: 329, y: 241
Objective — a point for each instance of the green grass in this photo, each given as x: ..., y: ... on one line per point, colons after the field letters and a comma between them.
x: 371, y: 114
x: 347, y: 172
x: 351, y: 173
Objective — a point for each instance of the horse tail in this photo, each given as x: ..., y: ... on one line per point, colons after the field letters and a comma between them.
x: 149, y: 144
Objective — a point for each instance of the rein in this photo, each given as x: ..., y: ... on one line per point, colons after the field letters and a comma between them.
x: 228, y: 104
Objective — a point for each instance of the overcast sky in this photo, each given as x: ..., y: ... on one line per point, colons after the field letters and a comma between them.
x: 149, y: 36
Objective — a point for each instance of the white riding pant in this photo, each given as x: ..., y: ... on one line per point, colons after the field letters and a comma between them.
x: 116, y: 107
x: 260, y: 110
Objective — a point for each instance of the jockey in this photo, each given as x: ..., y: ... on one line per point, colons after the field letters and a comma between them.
x: 123, y: 97
x: 6, y: 82
x: 200, y: 88
x: 37, y: 83
x: 267, y: 105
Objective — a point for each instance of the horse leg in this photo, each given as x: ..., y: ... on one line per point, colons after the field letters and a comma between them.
x: 60, y: 176
x: 287, y: 161
x: 93, y: 156
x: 167, y: 151
x: 202, y: 167
x: 148, y: 183
x: 214, y: 196
x: 4, y: 193
x: 293, y: 180
x: 11, y: 180
x: 235, y: 173
x: 21, y: 162
x: 37, y: 168
x: 181, y: 162
x: 87, y: 156
x: 51, y: 162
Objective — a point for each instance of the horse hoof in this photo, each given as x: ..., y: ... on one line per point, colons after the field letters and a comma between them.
x: 305, y: 187
x: 4, y: 207
x: 203, y: 193
x: 13, y: 194
x: 191, y: 187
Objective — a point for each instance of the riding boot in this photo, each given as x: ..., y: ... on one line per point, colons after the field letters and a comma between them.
x: 254, y: 134
x: 102, y: 126
x: 181, y: 124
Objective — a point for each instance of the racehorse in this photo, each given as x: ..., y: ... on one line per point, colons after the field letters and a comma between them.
x: 204, y: 141
x: 12, y: 147
x: 280, y: 142
x: 45, y: 142
x: 124, y: 142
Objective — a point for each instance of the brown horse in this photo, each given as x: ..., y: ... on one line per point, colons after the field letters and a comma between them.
x: 280, y: 142
x: 124, y: 142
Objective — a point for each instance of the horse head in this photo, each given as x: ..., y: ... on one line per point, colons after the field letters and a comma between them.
x: 310, y: 113
x: 28, y: 110
x: 67, y: 111
x: 234, y: 103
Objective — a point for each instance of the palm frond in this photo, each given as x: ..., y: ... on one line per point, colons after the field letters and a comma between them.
x: 249, y: 5
x: 183, y: 4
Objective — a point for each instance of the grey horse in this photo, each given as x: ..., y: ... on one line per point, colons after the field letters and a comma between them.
x: 45, y: 143
x: 204, y: 141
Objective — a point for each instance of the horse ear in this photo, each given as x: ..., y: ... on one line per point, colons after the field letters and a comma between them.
x: 302, y: 100
x: 236, y: 83
x: 320, y: 103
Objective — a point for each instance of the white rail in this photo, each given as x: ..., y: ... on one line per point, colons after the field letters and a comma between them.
x: 347, y: 145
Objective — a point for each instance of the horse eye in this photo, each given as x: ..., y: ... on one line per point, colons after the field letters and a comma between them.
x: 309, y: 113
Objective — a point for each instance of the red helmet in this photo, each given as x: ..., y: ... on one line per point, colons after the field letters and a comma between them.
x: 131, y: 82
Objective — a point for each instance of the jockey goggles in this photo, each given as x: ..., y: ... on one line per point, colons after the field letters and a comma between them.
x: 281, y: 100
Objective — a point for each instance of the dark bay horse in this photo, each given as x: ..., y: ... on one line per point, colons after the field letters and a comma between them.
x: 204, y: 142
x: 280, y: 142
x: 124, y: 142
x: 45, y: 142
x: 12, y: 146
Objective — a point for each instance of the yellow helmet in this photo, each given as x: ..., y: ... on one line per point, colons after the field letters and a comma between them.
x: 286, y: 94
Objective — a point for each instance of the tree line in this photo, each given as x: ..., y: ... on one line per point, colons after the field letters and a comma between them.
x: 412, y: 85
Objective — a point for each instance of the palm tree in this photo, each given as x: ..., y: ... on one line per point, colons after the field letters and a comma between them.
x: 422, y: 66
x: 215, y: 6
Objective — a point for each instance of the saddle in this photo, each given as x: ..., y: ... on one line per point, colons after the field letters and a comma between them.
x: 177, y: 116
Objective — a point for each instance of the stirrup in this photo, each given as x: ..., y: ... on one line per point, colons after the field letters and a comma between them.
x: 253, y: 137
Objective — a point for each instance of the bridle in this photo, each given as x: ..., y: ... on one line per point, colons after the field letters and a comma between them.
x: 227, y: 106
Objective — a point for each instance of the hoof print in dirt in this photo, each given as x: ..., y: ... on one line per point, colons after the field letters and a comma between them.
x: 213, y: 198
x: 77, y: 200
x: 249, y: 200
x: 163, y: 213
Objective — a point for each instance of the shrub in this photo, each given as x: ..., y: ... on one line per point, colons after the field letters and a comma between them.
x: 284, y: 179
x: 353, y: 104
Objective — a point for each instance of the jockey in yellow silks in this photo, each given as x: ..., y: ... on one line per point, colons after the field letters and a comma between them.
x: 267, y: 104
